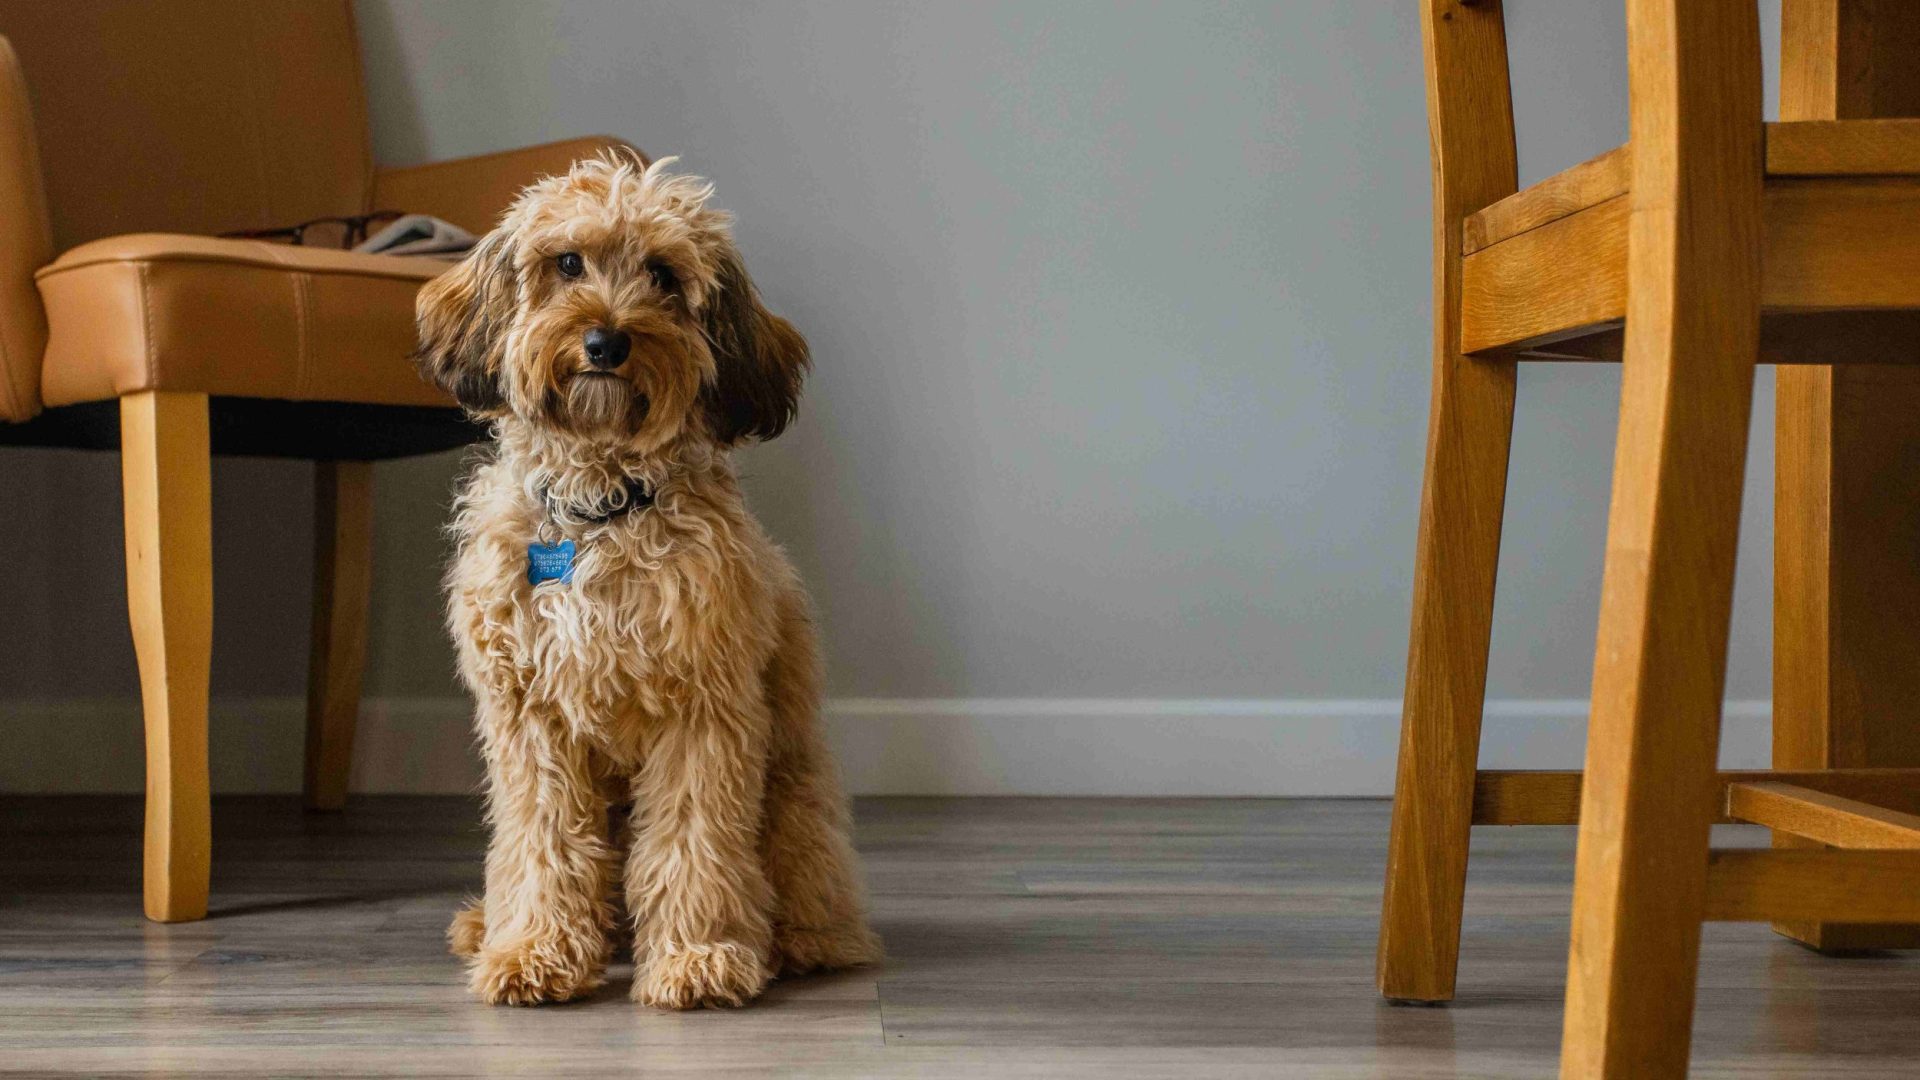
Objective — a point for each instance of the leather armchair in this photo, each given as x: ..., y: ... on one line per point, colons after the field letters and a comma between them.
x: 131, y: 132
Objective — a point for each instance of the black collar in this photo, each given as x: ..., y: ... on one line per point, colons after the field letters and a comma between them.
x: 634, y: 496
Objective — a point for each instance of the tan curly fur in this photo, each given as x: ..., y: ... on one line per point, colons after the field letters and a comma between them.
x: 677, y: 672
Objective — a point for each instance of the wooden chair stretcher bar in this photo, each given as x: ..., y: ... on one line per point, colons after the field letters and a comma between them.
x: 1812, y: 884
x: 1552, y: 797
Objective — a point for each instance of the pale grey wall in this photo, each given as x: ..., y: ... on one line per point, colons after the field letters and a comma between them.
x: 1120, y: 313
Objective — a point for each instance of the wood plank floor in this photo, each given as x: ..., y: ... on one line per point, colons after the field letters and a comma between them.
x: 1043, y: 938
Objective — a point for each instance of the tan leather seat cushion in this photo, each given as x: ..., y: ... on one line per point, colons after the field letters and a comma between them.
x: 157, y: 311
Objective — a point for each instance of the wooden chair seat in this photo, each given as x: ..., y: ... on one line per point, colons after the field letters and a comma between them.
x: 1544, y: 275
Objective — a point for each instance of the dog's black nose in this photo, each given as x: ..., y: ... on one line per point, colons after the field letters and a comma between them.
x: 606, y: 349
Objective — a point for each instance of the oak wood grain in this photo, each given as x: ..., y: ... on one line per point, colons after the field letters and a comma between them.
x: 1692, y: 340
x: 1832, y: 244
x: 1565, y: 276
x: 1469, y: 430
x: 1809, y: 884
x: 1887, y: 147
x: 1846, y: 515
x: 1589, y: 183
x: 1552, y: 797
x: 1822, y: 816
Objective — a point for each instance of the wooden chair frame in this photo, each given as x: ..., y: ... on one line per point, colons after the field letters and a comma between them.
x: 1712, y: 242
x: 166, y: 480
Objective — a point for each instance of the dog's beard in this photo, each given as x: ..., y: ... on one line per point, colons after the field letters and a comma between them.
x: 601, y: 402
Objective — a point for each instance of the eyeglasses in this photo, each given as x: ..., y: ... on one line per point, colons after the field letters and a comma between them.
x: 334, y: 232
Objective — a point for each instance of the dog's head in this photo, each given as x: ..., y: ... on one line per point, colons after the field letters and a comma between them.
x: 611, y: 304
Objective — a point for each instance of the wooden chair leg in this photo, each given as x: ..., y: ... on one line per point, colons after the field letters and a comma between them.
x: 1469, y: 430
x: 1845, y: 585
x: 1692, y: 336
x: 167, y: 478
x: 1457, y: 553
x: 342, y: 581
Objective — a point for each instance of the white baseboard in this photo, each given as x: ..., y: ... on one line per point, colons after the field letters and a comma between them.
x: 886, y: 746
x: 401, y: 745
x: 1208, y: 747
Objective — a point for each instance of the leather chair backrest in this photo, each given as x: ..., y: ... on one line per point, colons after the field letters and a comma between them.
x: 26, y: 243
x: 191, y: 116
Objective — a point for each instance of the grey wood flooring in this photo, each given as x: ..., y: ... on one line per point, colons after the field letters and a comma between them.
x: 1028, y: 937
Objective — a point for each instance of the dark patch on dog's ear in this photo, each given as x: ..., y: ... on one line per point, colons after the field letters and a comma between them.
x: 759, y: 359
x: 461, y: 316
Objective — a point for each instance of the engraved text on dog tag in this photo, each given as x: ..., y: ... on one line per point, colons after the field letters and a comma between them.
x: 550, y: 562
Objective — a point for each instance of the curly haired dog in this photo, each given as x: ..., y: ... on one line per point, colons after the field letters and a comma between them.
x: 666, y: 657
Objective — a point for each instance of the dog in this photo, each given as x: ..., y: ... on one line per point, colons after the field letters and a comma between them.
x: 629, y: 632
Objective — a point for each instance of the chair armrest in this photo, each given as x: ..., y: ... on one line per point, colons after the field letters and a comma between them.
x: 472, y: 192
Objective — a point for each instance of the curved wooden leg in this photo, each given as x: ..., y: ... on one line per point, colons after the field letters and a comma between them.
x: 342, y: 581
x: 1692, y: 337
x: 167, y: 479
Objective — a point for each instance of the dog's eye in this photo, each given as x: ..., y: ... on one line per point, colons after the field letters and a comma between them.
x: 571, y: 264
x: 663, y: 276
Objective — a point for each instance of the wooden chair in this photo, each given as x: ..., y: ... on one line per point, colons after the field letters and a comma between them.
x: 130, y: 132
x: 1709, y: 243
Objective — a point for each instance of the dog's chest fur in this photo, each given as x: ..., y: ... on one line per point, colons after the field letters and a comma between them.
x: 662, y: 602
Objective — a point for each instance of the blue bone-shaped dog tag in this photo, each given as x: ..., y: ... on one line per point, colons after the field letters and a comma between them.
x: 550, y: 562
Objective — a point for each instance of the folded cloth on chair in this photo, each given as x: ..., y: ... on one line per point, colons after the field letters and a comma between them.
x: 419, y: 234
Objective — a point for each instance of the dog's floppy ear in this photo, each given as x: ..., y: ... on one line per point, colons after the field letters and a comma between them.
x: 461, y: 317
x: 759, y: 359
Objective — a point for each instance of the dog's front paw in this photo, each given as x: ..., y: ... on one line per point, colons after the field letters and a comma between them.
x: 468, y: 930
x: 695, y: 976
x: 532, y: 972
x: 801, y: 949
